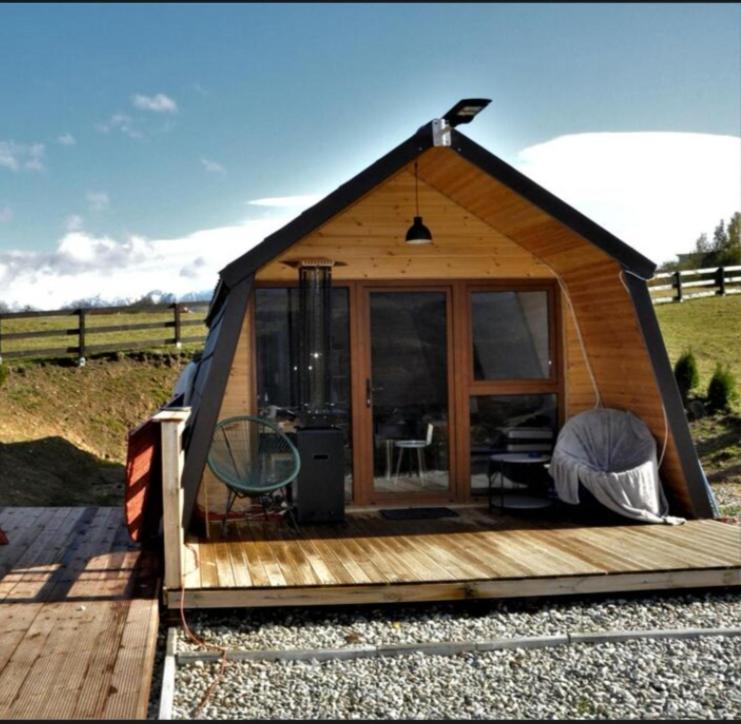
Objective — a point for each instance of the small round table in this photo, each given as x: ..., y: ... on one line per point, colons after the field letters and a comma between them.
x: 517, y: 501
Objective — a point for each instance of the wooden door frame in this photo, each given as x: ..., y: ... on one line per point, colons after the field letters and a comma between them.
x: 363, y: 484
x: 469, y: 387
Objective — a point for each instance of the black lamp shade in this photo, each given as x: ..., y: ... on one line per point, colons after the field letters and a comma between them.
x: 418, y: 233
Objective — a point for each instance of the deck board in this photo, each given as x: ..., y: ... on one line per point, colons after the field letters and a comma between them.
x: 475, y: 554
x: 66, y: 602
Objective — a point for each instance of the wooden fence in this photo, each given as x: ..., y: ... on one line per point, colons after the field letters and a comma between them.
x: 30, y: 334
x: 693, y: 283
x: 26, y: 334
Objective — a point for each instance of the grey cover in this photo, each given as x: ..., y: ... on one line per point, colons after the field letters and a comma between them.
x: 613, y: 454
x: 184, y: 385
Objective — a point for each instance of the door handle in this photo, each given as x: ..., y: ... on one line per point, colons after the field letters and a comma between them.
x: 369, y: 390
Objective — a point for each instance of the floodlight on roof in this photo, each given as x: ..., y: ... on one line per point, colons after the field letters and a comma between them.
x: 464, y: 111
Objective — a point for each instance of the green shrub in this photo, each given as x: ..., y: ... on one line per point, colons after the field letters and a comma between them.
x: 686, y: 374
x: 3, y: 373
x: 722, y: 388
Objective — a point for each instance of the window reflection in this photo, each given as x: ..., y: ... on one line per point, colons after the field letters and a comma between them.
x: 510, y: 335
x: 276, y: 339
x: 509, y: 423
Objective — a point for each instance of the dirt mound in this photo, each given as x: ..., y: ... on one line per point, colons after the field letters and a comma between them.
x: 52, y: 471
x: 63, y: 428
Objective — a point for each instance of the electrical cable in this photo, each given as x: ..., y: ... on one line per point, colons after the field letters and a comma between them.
x: 203, y: 644
x: 562, y: 285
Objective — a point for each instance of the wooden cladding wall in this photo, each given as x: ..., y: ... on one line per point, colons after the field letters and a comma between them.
x: 368, y: 240
x: 620, y: 360
x: 239, y: 399
x: 578, y: 388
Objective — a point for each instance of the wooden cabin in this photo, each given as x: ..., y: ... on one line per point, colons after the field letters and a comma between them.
x: 520, y: 312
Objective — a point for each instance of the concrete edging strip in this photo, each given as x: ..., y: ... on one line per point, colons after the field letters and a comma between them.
x: 167, y: 691
x: 451, y: 648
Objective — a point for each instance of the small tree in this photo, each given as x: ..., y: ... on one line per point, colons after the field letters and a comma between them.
x: 686, y: 374
x: 722, y: 389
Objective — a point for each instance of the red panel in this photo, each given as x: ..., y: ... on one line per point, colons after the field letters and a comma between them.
x: 143, y: 491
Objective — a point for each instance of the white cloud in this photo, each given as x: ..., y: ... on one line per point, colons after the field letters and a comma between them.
x: 66, y: 139
x: 657, y: 191
x: 287, y: 202
x: 212, y: 166
x: 98, y: 200
x: 6, y: 214
x: 22, y: 156
x: 113, y: 271
x: 159, y: 103
x: 74, y: 222
x: 123, y: 123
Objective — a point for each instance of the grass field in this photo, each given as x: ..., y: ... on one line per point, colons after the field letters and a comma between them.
x: 710, y: 327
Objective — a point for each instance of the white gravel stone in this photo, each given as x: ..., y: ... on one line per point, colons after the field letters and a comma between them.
x: 335, y: 628
x: 656, y: 679
x: 635, y: 679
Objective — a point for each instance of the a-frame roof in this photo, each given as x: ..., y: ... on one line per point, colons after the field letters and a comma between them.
x: 398, y: 158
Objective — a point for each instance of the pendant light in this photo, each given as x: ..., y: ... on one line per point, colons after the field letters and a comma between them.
x: 418, y: 233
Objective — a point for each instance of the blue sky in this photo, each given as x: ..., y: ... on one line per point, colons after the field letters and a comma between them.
x: 156, y: 122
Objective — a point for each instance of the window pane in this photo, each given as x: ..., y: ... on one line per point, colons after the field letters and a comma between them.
x: 510, y: 335
x: 276, y: 335
x: 509, y: 423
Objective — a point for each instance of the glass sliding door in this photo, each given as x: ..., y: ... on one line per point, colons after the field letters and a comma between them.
x: 407, y: 391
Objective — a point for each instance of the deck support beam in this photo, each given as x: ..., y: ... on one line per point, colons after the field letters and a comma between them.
x: 456, y: 590
x: 172, y: 424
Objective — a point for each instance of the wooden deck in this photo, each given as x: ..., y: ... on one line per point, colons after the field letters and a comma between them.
x: 475, y: 555
x: 78, y: 616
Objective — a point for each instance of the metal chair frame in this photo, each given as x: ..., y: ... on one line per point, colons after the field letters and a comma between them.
x: 237, y: 489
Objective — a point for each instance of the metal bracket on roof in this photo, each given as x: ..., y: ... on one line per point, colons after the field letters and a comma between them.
x: 440, y: 132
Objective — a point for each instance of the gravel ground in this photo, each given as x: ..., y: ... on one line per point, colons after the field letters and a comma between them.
x: 332, y: 628
x: 647, y: 679
x: 636, y: 679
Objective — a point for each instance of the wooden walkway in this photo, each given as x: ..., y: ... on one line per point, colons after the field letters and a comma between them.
x: 474, y: 555
x: 78, y: 616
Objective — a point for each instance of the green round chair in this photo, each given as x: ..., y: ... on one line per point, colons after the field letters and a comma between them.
x: 254, y: 458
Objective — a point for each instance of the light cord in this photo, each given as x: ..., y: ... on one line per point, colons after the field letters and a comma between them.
x: 590, y: 371
x: 416, y: 188
x: 200, y: 642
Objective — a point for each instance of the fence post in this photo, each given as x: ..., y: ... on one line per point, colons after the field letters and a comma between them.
x: 678, y: 285
x: 176, y: 311
x: 720, y: 280
x: 81, y: 338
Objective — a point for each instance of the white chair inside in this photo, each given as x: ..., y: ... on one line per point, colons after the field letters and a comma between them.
x: 419, y: 446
